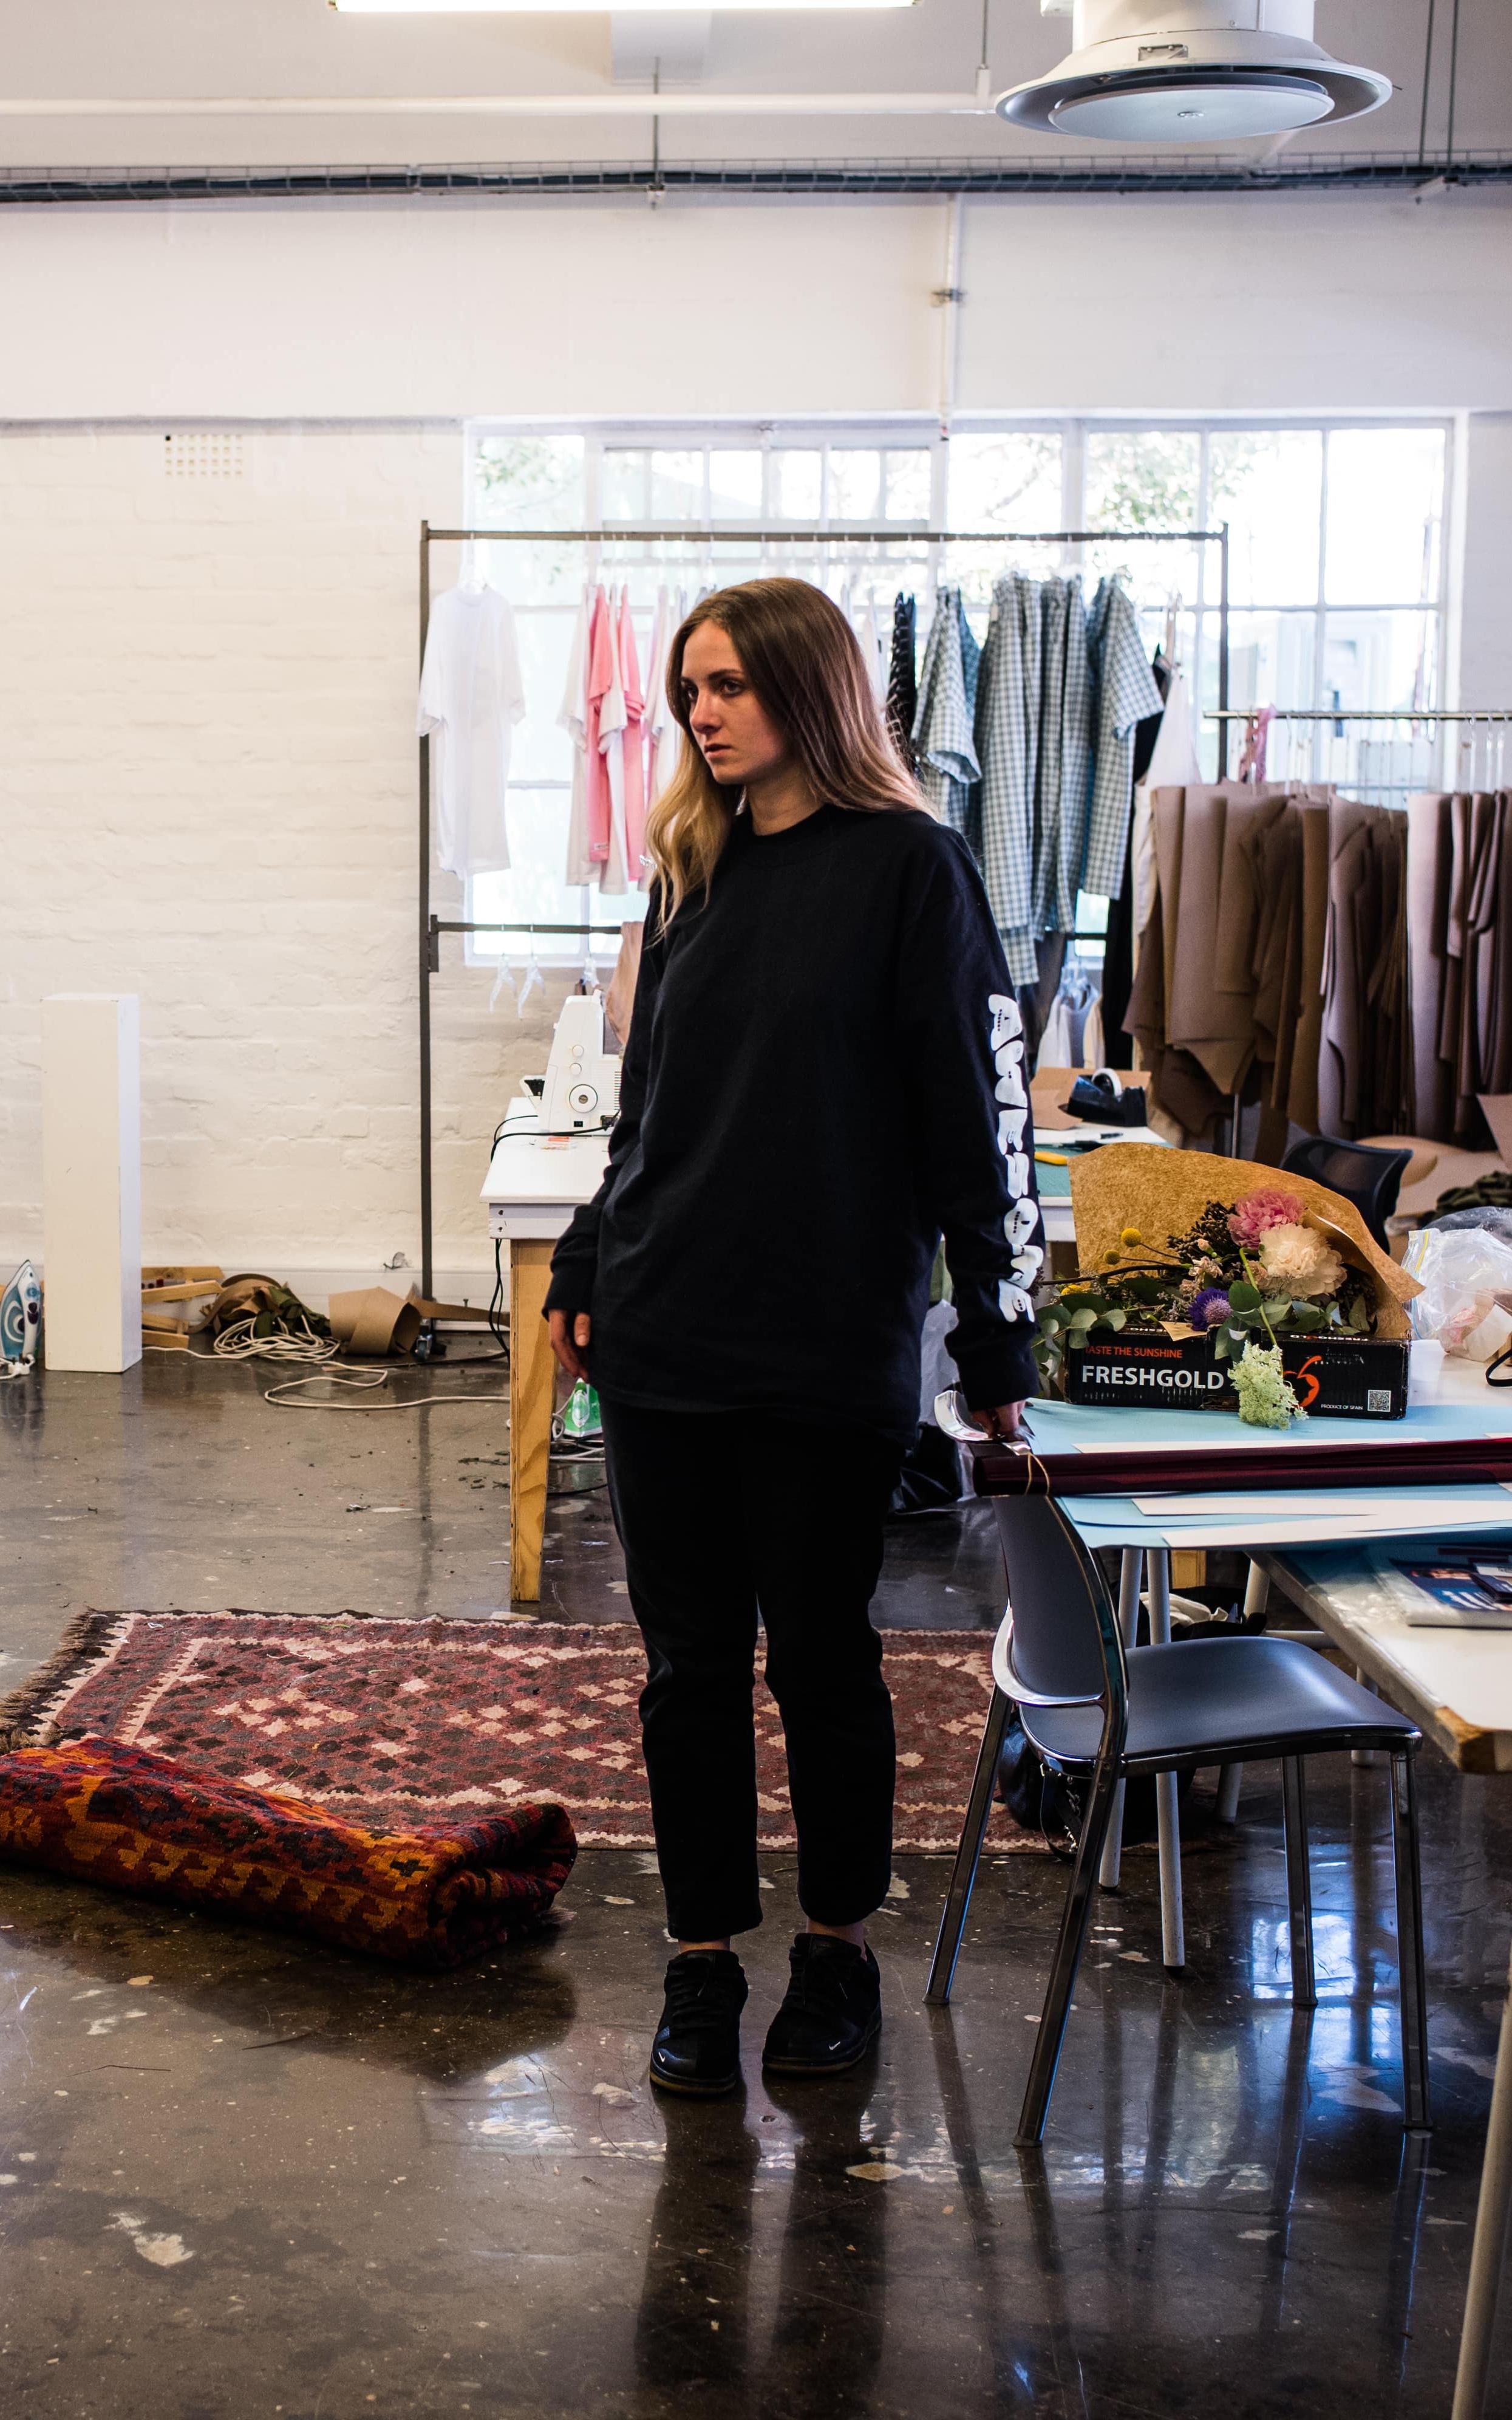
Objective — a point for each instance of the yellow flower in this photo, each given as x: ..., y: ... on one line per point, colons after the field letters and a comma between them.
x: 1129, y: 1238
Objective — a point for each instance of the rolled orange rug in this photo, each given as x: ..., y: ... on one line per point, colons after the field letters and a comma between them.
x: 433, y: 1896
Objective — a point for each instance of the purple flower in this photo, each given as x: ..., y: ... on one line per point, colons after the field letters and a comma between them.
x: 1209, y: 1309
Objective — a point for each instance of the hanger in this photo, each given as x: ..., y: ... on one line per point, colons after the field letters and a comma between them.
x: 533, y: 979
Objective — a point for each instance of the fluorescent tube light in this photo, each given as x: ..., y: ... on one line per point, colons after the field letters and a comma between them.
x: 588, y: 7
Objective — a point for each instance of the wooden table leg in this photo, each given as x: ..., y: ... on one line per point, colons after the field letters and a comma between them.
x: 1487, y: 2253
x: 532, y: 1385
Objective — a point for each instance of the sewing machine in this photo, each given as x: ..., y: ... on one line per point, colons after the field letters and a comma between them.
x: 581, y: 1090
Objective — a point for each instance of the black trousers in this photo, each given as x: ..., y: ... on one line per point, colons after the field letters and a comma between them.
x: 722, y: 1514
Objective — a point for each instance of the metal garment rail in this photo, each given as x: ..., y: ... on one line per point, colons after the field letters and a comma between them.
x: 1491, y: 717
x: 702, y: 540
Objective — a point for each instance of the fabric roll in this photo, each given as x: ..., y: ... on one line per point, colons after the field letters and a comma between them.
x: 123, y: 1818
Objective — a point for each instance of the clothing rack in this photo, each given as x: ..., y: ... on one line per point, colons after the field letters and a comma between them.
x: 1438, y: 716
x: 702, y: 539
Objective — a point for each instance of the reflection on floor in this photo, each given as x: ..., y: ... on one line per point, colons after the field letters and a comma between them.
x: 242, y: 2177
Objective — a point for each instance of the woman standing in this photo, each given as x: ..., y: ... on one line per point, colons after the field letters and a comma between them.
x: 824, y: 1074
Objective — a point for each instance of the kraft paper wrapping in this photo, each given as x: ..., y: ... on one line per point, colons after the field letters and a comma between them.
x: 1163, y: 1192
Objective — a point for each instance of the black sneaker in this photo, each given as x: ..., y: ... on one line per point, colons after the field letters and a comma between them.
x: 697, y: 2048
x: 832, y: 2013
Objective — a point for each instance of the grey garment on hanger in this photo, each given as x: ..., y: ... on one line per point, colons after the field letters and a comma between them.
x: 947, y: 771
x: 1064, y: 756
x: 1123, y: 695
x: 1008, y: 750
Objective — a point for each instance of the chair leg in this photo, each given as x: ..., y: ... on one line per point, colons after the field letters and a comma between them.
x: 1299, y: 1882
x: 1131, y: 1566
x: 1070, y: 1944
x: 969, y: 1851
x: 1256, y: 1595
x: 1167, y: 1803
x: 1417, y: 2117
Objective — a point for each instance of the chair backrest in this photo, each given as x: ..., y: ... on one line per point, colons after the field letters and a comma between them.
x: 1066, y: 1641
x: 1364, y: 1173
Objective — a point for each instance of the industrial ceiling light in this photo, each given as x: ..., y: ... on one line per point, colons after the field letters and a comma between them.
x: 1193, y: 72
x: 582, y: 8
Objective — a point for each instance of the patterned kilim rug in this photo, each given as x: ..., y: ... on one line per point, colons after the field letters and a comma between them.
x: 401, y: 1724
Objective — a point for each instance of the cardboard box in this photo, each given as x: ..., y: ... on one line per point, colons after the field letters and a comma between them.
x: 1359, y: 1378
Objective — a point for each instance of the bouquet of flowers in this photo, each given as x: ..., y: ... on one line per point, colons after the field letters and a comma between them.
x: 1247, y: 1276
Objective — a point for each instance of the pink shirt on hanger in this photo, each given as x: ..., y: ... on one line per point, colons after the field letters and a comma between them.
x: 635, y: 761
x: 600, y: 682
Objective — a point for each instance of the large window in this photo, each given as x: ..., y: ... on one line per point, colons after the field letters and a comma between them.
x: 1337, y: 572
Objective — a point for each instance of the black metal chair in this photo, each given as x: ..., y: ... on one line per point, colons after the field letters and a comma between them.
x: 1102, y: 1714
x: 1364, y: 1173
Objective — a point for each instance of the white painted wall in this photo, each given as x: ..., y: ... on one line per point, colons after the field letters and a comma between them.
x: 207, y: 760
x: 448, y: 310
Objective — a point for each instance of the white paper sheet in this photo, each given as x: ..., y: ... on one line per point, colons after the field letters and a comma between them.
x: 1310, y: 1532
x: 1394, y: 1508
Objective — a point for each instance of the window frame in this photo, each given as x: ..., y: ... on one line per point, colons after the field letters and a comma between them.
x: 914, y: 432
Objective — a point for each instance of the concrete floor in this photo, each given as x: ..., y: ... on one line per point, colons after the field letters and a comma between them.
x: 243, y: 2177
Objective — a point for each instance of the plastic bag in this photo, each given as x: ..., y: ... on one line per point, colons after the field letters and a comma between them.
x: 1463, y: 1271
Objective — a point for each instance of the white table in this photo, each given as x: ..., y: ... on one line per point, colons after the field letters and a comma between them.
x: 1457, y: 1685
x: 1059, y: 1225
x: 535, y: 1183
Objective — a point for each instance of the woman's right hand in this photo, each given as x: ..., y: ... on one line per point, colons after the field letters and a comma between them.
x: 571, y: 1333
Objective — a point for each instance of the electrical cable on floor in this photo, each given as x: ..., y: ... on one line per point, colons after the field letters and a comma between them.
x: 286, y: 1393
x: 236, y: 1344
x: 239, y: 1342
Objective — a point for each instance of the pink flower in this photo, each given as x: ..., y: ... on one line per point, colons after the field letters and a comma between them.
x: 1258, y: 1212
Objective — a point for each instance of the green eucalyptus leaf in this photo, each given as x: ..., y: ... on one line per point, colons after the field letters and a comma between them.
x: 1114, y: 1319
x: 1243, y: 1296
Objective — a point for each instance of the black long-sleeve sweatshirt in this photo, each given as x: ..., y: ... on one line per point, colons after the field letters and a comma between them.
x: 824, y: 1074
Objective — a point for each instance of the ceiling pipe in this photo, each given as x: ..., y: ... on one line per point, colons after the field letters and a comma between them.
x: 529, y: 105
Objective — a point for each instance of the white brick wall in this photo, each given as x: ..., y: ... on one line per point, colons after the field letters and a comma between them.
x: 208, y: 776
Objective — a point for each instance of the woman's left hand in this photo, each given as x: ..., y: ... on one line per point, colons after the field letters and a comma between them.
x: 1001, y: 1420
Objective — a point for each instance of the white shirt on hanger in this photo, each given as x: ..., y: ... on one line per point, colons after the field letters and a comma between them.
x: 470, y: 698
x: 663, y: 731
x: 1173, y: 765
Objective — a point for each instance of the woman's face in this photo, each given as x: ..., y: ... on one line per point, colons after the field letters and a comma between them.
x: 740, y: 742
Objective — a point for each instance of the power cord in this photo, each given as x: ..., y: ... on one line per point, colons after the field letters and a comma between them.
x: 496, y: 1301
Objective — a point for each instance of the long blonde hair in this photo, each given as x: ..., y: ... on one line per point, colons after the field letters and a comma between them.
x: 804, y: 662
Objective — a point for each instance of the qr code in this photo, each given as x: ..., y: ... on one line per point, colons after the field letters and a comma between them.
x: 1378, y: 1399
